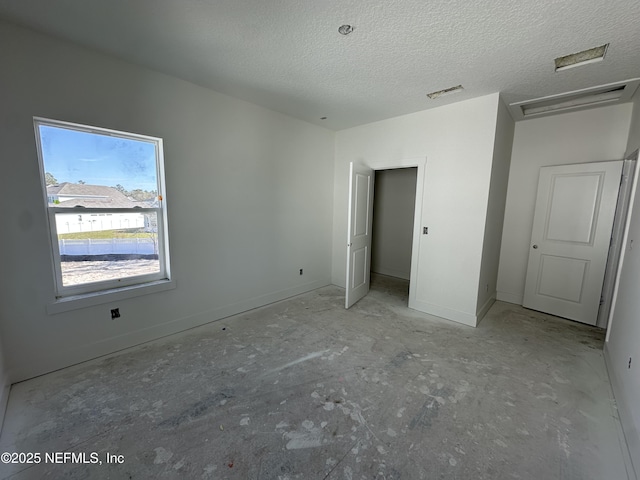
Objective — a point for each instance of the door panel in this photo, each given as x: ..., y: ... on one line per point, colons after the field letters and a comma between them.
x: 566, y: 223
x: 362, y: 217
x: 574, y: 213
x: 562, y: 278
x: 359, y: 268
x: 359, y: 233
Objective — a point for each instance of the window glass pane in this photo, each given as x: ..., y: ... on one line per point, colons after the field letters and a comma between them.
x: 97, y: 170
x: 107, y: 246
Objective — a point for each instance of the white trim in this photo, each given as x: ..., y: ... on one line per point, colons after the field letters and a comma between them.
x: 629, y: 435
x: 54, y: 258
x: 89, y: 211
x: 623, y: 247
x: 65, y: 357
x: 94, y: 129
x: 616, y: 247
x: 66, y: 304
x: 420, y: 163
x: 444, y: 312
x: 510, y: 297
x: 485, y: 308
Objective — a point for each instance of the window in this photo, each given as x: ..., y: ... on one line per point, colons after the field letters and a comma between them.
x: 104, y: 195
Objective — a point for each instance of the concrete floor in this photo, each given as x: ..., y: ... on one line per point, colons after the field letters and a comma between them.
x: 303, y: 389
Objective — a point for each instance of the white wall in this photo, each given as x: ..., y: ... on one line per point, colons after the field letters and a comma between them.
x: 249, y: 196
x: 586, y: 136
x: 495, y: 210
x: 5, y: 386
x: 457, y: 141
x: 623, y: 340
x: 393, y: 209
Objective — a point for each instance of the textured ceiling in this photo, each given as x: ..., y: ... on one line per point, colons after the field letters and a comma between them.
x: 287, y: 54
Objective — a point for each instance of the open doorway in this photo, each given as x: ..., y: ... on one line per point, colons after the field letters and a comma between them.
x: 393, y: 226
x: 360, y: 230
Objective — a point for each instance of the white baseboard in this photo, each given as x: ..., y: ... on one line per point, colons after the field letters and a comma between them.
x: 510, y: 297
x: 132, y: 339
x: 629, y: 432
x: 485, y: 308
x: 444, y: 312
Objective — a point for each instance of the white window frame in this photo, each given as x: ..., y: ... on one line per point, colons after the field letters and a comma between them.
x: 77, y: 292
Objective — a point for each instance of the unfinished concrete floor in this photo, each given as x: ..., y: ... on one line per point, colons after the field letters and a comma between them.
x: 303, y: 389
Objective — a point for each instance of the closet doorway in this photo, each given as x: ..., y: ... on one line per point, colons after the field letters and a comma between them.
x: 393, y: 217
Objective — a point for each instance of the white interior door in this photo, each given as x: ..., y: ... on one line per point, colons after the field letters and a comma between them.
x: 359, y: 233
x: 572, y: 224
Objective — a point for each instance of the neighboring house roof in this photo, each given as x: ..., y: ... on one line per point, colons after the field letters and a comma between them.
x: 54, y: 189
x: 92, y: 196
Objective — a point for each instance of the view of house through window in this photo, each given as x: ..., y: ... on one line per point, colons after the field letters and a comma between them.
x: 105, y: 205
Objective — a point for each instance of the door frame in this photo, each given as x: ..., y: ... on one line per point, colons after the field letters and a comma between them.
x: 635, y: 155
x: 421, y: 164
x: 629, y: 169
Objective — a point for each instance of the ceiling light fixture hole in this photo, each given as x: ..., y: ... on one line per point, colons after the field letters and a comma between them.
x: 345, y: 29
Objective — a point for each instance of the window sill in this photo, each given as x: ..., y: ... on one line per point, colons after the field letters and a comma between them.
x: 76, y: 302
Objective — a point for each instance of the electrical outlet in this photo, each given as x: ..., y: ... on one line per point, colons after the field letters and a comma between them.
x: 300, y: 271
x: 115, y: 313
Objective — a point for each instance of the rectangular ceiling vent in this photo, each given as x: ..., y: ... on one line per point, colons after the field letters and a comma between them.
x: 446, y: 91
x: 581, y: 58
x: 609, y: 94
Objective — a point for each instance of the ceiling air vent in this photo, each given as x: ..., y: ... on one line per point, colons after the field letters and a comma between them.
x: 612, y: 93
x: 446, y: 91
x: 581, y: 58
